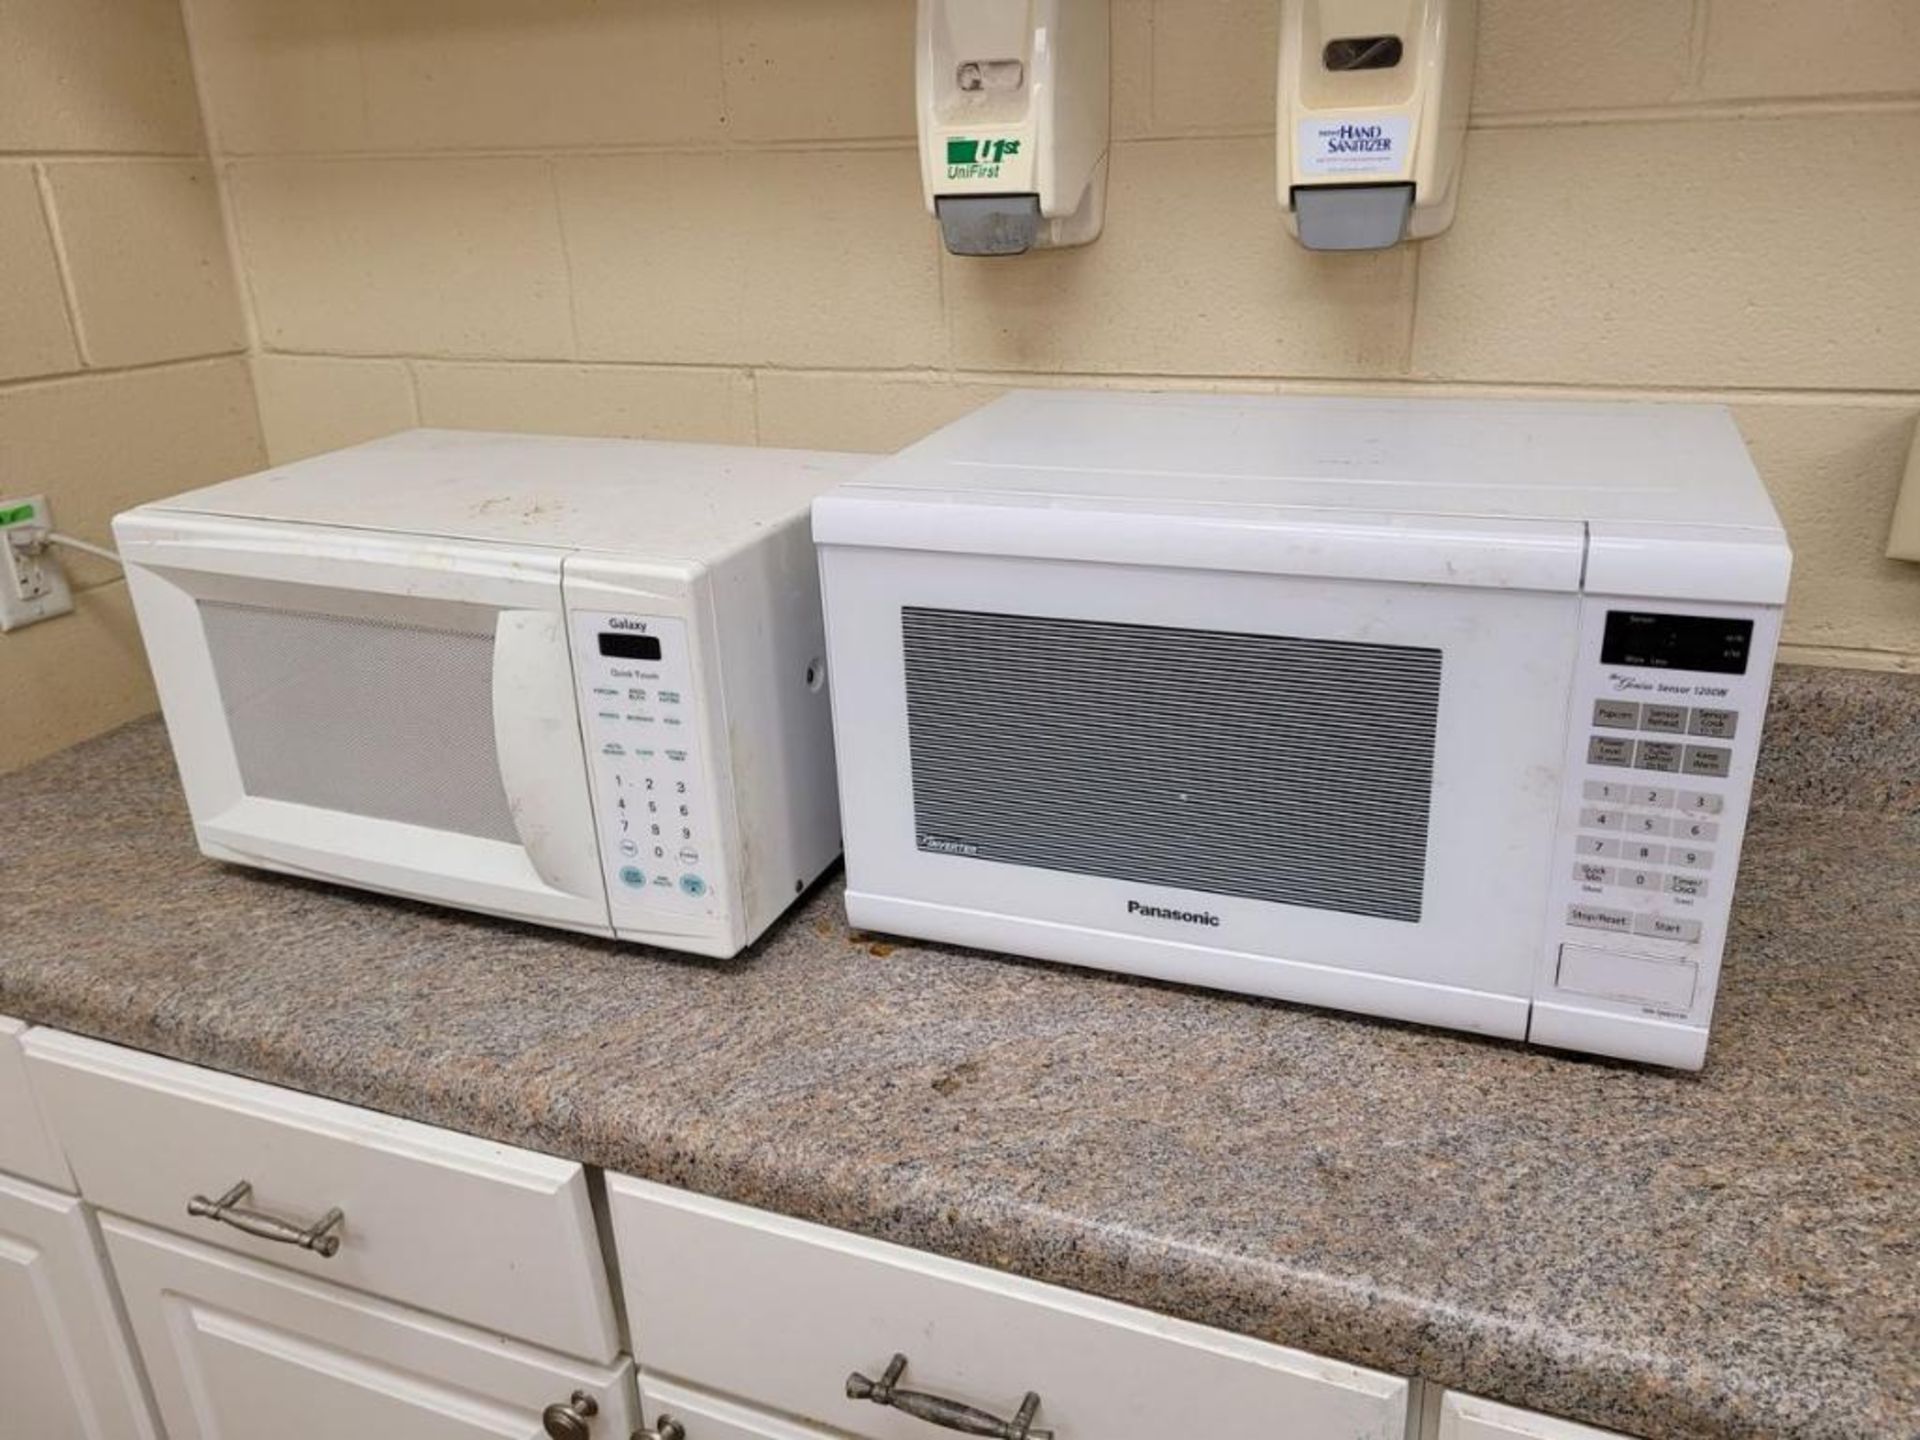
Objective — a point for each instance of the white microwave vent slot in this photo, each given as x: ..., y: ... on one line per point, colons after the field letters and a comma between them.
x: 1268, y: 767
x: 363, y: 717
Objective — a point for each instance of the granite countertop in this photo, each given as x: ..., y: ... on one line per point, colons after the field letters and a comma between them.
x: 1721, y: 1255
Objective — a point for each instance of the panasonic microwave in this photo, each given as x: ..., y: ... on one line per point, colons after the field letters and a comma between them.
x: 1440, y: 710
x: 574, y: 682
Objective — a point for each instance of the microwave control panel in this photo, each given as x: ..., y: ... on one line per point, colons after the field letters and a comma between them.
x: 1663, y: 735
x: 659, y: 838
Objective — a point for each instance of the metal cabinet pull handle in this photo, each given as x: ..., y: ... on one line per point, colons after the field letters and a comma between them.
x: 569, y: 1421
x: 950, y: 1414
x: 665, y: 1428
x: 317, y: 1237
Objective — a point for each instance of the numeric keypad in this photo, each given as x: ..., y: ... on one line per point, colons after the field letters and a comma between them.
x: 1642, y: 858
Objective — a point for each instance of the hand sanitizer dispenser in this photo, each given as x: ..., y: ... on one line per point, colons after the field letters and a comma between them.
x: 1373, y: 113
x: 1013, y: 121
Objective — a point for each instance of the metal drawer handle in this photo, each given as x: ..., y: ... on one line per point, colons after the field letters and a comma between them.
x: 950, y: 1414
x: 317, y: 1237
x: 569, y: 1421
x: 665, y: 1428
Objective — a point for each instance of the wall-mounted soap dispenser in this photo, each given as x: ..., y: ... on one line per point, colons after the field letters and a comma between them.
x: 1013, y: 121
x: 1372, y: 115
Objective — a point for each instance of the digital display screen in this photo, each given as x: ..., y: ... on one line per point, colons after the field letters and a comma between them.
x: 1676, y: 642
x: 627, y: 646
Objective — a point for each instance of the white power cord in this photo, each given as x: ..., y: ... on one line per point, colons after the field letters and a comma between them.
x: 101, y: 552
x: 32, y: 539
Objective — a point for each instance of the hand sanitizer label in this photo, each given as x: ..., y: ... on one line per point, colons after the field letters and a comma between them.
x: 1360, y: 145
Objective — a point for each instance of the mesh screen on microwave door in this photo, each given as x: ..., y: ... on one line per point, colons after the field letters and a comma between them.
x: 365, y: 717
x: 1269, y: 767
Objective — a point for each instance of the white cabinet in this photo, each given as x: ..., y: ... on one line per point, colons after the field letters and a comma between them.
x: 26, y: 1148
x: 65, y: 1370
x: 487, y: 1234
x: 701, y: 1416
x: 273, y: 1311
x: 1464, y: 1418
x: 238, y: 1350
x: 462, y: 1291
x: 777, y: 1314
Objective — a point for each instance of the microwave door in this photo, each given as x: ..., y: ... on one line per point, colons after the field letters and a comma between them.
x: 389, y: 712
x: 1331, y: 789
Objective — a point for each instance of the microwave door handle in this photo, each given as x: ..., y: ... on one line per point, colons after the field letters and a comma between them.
x: 536, y: 733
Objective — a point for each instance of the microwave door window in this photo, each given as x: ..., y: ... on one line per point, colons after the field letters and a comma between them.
x: 1281, y: 768
x: 363, y: 717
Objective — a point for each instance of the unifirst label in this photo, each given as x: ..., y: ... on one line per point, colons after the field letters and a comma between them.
x: 1357, y: 145
x: 995, y: 162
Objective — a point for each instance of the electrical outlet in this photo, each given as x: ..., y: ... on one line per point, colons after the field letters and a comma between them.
x: 33, y: 587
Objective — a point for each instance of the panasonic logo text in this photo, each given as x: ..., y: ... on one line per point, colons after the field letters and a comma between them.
x: 1160, y: 912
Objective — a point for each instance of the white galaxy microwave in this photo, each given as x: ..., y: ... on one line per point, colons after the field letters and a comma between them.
x: 574, y: 682
x: 1441, y: 710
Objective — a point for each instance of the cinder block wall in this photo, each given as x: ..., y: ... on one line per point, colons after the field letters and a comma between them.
x: 700, y: 218
x: 122, y: 343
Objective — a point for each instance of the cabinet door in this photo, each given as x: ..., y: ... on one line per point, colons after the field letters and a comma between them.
x: 1464, y: 1418
x: 26, y: 1146
x: 66, y: 1372
x: 701, y: 1416
x: 239, y: 1350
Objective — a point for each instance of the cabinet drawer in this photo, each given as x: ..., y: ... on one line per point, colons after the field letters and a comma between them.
x: 26, y: 1149
x: 235, y: 1348
x: 1464, y: 1418
x: 780, y: 1313
x: 701, y: 1416
x: 495, y: 1236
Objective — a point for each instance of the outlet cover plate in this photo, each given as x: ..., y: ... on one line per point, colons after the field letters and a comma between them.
x: 32, y: 588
